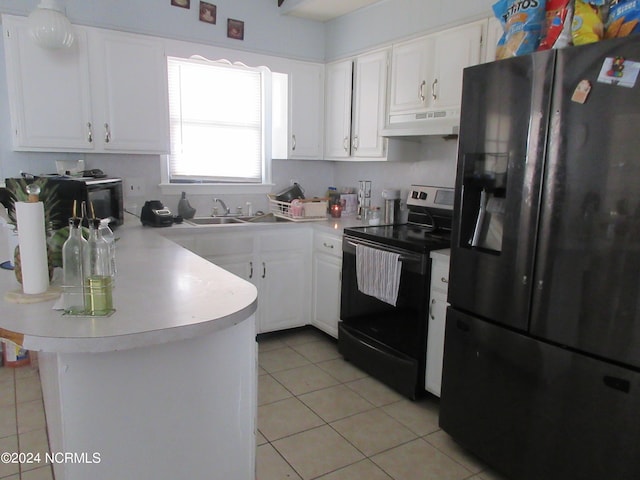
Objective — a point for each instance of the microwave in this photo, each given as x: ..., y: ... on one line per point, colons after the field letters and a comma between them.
x: 103, y: 197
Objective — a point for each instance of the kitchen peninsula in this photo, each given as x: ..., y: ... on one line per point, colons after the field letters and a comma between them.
x: 163, y: 388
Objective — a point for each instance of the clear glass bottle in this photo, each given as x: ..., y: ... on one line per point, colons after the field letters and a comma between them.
x: 110, y: 238
x: 97, y: 273
x: 72, y: 268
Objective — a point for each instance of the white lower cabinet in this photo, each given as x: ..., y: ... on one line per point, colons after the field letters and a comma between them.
x: 277, y: 262
x: 437, y: 318
x: 327, y: 268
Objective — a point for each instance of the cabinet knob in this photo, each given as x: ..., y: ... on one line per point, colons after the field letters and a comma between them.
x: 264, y: 270
x: 293, y: 142
x: 250, y: 270
x: 89, y: 133
x: 345, y: 144
x: 444, y: 280
x: 434, y: 95
x: 356, y: 142
x: 327, y: 245
x: 107, y: 133
x: 433, y: 301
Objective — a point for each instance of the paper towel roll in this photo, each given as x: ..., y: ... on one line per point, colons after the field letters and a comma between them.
x: 32, y: 238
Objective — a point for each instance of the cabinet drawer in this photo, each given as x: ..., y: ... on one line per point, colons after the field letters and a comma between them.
x: 329, y: 244
x: 440, y: 277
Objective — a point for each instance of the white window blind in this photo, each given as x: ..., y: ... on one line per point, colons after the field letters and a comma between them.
x: 216, y: 122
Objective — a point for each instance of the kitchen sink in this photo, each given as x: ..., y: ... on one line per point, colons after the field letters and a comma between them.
x: 213, y: 220
x: 268, y: 218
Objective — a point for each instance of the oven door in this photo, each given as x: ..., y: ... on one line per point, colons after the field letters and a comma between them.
x: 386, y: 341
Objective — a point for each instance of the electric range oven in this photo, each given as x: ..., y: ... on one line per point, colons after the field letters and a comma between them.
x: 389, y: 341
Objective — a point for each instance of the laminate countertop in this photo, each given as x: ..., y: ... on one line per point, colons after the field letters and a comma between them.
x: 163, y: 293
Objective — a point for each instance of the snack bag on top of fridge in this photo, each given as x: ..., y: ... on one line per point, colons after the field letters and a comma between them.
x: 557, y: 26
x: 522, y: 21
x: 624, y: 16
x: 589, y: 17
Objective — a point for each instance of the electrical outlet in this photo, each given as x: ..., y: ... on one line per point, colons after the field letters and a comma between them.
x: 134, y: 187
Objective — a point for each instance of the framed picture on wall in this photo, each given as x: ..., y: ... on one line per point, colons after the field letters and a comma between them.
x: 181, y: 3
x: 208, y: 12
x: 235, y: 29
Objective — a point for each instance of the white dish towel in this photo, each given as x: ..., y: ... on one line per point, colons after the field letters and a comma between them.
x: 378, y: 273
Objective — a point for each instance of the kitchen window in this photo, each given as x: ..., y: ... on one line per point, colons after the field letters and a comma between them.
x: 220, y: 124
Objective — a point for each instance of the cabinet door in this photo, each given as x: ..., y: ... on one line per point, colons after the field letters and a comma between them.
x: 337, y: 143
x: 306, y: 110
x: 411, y: 69
x: 240, y: 265
x: 435, y: 343
x: 49, y: 97
x: 326, y: 292
x: 494, y: 33
x: 370, y: 90
x: 283, y: 294
x: 455, y: 50
x: 131, y: 74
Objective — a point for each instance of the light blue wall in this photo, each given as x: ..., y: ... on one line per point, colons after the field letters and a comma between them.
x: 266, y: 29
x: 391, y: 20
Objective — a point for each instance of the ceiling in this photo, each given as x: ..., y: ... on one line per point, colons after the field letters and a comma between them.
x: 323, y: 10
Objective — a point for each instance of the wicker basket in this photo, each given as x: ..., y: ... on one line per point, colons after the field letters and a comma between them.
x: 313, y: 209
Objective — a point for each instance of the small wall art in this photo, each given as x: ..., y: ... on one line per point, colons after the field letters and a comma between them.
x: 208, y: 12
x: 235, y: 29
x: 181, y: 3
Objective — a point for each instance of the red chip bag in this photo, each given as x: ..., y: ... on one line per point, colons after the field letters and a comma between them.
x: 557, y: 26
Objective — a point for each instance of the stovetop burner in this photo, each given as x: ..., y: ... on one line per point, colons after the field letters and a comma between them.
x: 410, y: 237
x: 429, y: 227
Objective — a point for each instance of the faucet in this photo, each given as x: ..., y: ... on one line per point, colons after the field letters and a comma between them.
x: 222, y: 204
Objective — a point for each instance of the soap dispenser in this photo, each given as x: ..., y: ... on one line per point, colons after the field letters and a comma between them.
x: 185, y: 210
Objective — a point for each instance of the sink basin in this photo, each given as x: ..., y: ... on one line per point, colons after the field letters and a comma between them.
x: 213, y: 220
x: 268, y: 218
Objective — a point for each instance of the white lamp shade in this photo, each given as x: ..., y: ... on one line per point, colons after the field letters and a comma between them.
x: 49, y: 27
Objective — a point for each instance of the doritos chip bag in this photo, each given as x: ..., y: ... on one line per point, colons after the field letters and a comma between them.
x: 522, y: 21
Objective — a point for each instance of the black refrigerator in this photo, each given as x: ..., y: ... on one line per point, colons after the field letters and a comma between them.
x: 541, y: 375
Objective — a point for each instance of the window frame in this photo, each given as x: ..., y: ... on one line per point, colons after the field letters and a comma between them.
x: 265, y: 186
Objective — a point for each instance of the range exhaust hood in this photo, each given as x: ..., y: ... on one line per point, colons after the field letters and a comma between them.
x: 444, y: 122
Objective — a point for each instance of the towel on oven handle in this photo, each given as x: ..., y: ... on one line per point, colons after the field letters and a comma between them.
x: 378, y: 273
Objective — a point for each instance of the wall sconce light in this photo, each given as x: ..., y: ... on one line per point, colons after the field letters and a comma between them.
x: 49, y: 26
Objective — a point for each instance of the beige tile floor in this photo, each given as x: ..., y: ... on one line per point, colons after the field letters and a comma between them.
x: 22, y: 423
x: 320, y: 417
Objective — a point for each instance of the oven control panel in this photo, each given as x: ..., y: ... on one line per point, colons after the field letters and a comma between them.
x: 431, y: 197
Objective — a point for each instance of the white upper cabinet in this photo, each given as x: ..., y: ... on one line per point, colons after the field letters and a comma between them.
x: 306, y: 108
x: 494, y: 33
x: 411, y: 70
x: 129, y: 73
x: 426, y: 74
x: 356, y: 92
x: 338, y: 92
x: 108, y: 92
x: 49, y: 98
x: 369, y: 103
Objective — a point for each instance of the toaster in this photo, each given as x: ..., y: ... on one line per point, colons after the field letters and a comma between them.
x: 155, y: 214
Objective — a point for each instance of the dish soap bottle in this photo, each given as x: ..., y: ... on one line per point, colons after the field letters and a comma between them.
x: 185, y: 210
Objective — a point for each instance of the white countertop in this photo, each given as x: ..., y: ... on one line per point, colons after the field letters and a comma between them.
x: 163, y: 293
